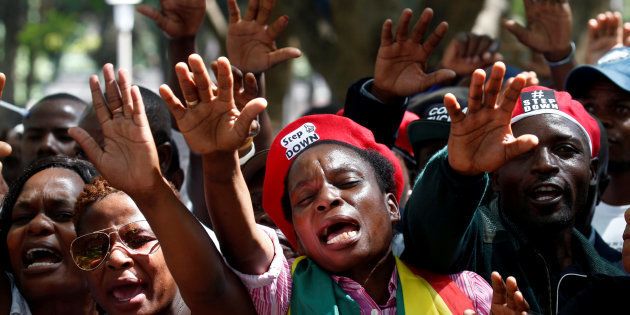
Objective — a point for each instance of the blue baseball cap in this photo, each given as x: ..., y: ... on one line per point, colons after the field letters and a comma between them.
x: 614, y: 66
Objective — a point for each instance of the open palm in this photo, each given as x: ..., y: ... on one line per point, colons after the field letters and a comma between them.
x: 481, y: 139
x: 210, y: 121
x: 177, y: 18
x: 251, y: 43
x: 400, y: 66
x: 128, y: 159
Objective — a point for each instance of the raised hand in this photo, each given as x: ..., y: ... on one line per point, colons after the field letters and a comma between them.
x: 549, y: 27
x: 3, y: 80
x: 467, y: 52
x: 128, y: 159
x: 177, y: 18
x: 400, y: 68
x: 506, y: 298
x: 5, y: 148
x: 605, y: 32
x: 210, y: 120
x: 251, y: 43
x: 481, y: 139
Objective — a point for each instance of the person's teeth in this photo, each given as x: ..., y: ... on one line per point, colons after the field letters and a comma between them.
x: 39, y: 264
x: 342, y: 237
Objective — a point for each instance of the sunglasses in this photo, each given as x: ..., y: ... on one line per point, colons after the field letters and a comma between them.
x: 89, y: 251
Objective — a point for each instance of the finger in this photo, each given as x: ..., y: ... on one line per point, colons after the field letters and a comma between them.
x: 493, y: 87
x: 124, y: 86
x: 461, y: 41
x: 510, y: 284
x: 202, y: 78
x: 98, y: 101
x: 225, y: 83
x: 402, y: 29
x: 453, y: 108
x: 283, y: 54
x: 475, y: 92
x: 87, y: 144
x: 421, y: 26
x: 186, y: 84
x: 437, y: 77
x: 520, y: 145
x: 611, y: 26
x: 238, y: 78
x: 592, y: 29
x: 251, y: 86
x: 3, y: 80
x: 484, y: 45
x: 252, y: 10
x: 139, y: 116
x: 520, y: 304
x: 473, y: 45
x: 498, y: 289
x: 517, y: 30
x: 264, y: 11
x: 512, y: 92
x: 5, y: 149
x: 617, y: 22
x: 173, y: 103
x: 626, y: 34
x: 248, y: 115
x: 277, y: 27
x: 386, y: 33
x: 601, y: 24
x: 435, y: 38
x: 234, y: 11
x: 114, y: 100
x: 152, y: 14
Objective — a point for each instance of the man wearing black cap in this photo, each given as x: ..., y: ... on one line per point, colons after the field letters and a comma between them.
x: 604, y: 89
x: 536, y: 150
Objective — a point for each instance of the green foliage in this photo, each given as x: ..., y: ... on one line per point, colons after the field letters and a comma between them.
x: 55, y: 32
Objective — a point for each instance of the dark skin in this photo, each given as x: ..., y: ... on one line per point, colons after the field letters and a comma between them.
x: 330, y: 184
x: 560, y: 163
x: 46, y: 129
x: 611, y: 105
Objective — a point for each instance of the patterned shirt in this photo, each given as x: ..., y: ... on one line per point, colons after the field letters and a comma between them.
x: 271, y: 291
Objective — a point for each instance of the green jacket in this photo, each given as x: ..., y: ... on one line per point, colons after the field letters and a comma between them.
x: 451, y: 224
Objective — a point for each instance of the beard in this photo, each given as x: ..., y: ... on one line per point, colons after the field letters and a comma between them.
x: 615, y: 167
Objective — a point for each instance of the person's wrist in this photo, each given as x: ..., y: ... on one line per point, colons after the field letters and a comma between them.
x: 382, y: 94
x: 560, y: 57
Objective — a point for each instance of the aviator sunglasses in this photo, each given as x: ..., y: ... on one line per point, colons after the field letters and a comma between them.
x: 90, y: 250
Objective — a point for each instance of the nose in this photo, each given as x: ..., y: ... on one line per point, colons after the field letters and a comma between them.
x: 543, y: 162
x: 328, y: 197
x: 119, y: 259
x: 47, y: 146
x: 40, y: 225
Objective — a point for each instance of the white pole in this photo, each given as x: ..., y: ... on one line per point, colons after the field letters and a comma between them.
x: 124, y: 20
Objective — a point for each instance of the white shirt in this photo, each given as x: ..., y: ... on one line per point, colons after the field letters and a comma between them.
x: 609, y: 222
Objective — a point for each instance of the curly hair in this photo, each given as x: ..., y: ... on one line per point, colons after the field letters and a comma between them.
x: 92, y: 193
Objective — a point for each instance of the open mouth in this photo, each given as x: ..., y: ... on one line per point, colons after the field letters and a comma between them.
x: 125, y: 293
x: 546, y: 193
x: 40, y: 257
x: 339, y: 233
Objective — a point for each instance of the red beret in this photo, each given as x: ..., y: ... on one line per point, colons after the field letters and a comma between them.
x: 298, y: 136
x: 537, y: 100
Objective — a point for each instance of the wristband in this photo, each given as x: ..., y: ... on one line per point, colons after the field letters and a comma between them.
x: 564, y: 61
x: 242, y: 160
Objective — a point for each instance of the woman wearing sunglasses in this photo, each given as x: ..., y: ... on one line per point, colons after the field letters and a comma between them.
x: 37, y: 230
x: 126, y: 261
x: 126, y: 271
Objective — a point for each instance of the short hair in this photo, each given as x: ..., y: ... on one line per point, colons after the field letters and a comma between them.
x: 57, y: 97
x: 92, y: 193
x: 84, y: 169
x: 383, y: 169
x: 157, y: 114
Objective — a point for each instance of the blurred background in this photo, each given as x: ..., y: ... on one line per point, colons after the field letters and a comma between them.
x: 53, y: 46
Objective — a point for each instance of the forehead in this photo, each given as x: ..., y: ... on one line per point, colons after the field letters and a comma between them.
x: 604, y: 88
x: 115, y: 209
x: 52, y: 112
x: 549, y: 127
x: 57, y: 183
x: 327, y: 157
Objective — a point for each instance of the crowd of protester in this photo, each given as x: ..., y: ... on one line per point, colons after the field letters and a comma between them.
x: 467, y: 187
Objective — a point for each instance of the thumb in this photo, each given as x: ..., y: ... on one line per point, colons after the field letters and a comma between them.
x: 437, y: 77
x: 5, y: 149
x: 151, y: 13
x: 518, y: 30
x: 283, y: 54
x: 515, y: 147
x: 248, y: 114
x: 87, y: 143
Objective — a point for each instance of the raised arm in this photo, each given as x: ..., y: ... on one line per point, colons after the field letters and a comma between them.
x: 129, y: 162
x: 400, y: 70
x: 605, y: 32
x: 549, y: 32
x: 467, y: 52
x: 215, y: 128
x: 5, y: 148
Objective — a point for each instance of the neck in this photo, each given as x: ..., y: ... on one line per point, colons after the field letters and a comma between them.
x: 71, y: 305
x: 556, y: 248
x: 616, y: 193
x: 374, y: 277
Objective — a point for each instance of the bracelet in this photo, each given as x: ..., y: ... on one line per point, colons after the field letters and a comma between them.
x: 564, y: 61
x: 248, y: 156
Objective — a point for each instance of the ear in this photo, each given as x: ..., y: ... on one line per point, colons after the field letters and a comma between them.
x: 593, y: 169
x: 392, y: 207
x: 165, y: 154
